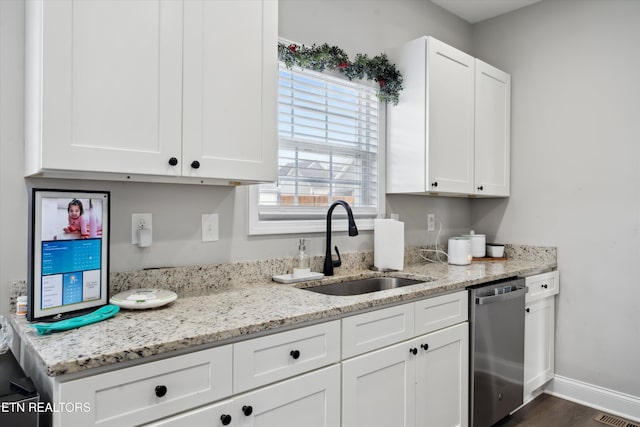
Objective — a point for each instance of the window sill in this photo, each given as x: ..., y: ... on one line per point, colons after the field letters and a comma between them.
x: 257, y: 227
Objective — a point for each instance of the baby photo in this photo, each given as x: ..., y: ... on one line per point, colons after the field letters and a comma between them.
x: 68, y: 219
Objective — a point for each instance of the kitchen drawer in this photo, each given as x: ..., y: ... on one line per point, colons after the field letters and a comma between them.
x: 309, y: 400
x: 132, y: 396
x: 441, y: 311
x: 369, y: 331
x: 274, y: 357
x: 542, y: 285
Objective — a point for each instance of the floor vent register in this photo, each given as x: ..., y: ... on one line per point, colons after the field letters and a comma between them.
x: 611, y: 420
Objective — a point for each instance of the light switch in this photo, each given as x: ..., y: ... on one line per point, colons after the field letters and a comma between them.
x: 209, y: 227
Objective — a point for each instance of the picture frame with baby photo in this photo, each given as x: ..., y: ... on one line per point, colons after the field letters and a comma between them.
x: 68, y: 253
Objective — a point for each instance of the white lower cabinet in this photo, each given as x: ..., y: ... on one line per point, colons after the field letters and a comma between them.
x: 310, y: 400
x: 378, y: 388
x: 539, y: 323
x: 539, y: 332
x: 388, y: 377
x: 420, y: 382
x: 442, y: 377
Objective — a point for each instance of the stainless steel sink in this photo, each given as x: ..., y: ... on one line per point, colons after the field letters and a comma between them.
x: 363, y: 286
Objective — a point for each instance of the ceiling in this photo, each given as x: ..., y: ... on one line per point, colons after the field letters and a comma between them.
x: 474, y: 11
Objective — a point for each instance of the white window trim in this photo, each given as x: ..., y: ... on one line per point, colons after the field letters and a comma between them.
x: 258, y: 227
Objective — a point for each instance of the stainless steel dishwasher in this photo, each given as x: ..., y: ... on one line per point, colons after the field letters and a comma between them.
x: 497, y: 350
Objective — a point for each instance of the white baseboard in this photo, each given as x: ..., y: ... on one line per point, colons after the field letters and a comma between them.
x: 610, y: 401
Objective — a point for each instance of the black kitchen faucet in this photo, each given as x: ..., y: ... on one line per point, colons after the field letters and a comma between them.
x: 329, y: 263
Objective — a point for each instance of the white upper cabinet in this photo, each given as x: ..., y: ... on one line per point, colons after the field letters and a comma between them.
x: 449, y: 118
x: 492, y: 130
x: 230, y: 89
x: 152, y: 89
x: 433, y: 132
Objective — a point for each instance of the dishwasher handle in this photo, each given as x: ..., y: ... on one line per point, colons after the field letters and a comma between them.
x: 501, y: 297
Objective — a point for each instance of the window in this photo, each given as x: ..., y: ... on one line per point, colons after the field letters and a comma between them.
x: 330, y: 145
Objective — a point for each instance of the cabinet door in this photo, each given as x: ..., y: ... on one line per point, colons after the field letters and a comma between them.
x: 311, y: 400
x: 442, y: 377
x: 450, y: 129
x: 539, y: 336
x: 105, y: 85
x: 378, y: 388
x: 492, y: 130
x: 230, y: 89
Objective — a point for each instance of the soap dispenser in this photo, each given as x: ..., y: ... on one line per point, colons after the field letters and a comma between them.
x: 302, y: 266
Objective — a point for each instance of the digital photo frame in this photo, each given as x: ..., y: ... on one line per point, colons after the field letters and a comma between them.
x: 68, y: 257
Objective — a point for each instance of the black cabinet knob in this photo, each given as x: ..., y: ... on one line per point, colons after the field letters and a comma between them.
x: 295, y: 354
x: 527, y: 309
x: 173, y: 161
x: 545, y: 286
x: 161, y: 390
x: 225, y: 419
x: 413, y: 351
x: 195, y: 164
x: 425, y: 347
x: 434, y: 184
x: 247, y: 410
x: 480, y: 188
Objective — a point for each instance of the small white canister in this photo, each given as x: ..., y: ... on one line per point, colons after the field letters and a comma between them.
x: 478, y: 244
x: 459, y: 251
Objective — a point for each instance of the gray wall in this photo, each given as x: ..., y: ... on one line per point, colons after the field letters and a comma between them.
x: 358, y: 26
x: 575, y: 171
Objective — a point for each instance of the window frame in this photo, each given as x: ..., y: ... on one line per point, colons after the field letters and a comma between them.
x: 285, y: 225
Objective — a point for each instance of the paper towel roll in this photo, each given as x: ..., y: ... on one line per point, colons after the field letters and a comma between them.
x: 388, y: 244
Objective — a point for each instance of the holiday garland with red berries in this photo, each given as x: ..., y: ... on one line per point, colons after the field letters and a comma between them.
x: 325, y: 57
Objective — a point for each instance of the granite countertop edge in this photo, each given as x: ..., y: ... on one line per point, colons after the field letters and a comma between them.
x: 241, y: 310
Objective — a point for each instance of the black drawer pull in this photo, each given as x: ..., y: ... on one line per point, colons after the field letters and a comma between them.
x: 413, y: 351
x: 295, y: 354
x: 161, y: 390
x: 425, y: 347
x: 225, y: 419
x: 247, y: 410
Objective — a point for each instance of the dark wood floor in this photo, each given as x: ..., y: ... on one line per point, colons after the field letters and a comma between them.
x: 549, y: 411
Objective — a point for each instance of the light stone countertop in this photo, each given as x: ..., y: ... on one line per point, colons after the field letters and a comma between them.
x: 240, y: 310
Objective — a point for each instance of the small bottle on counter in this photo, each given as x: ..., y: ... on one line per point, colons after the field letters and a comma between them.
x: 21, y: 306
x: 302, y: 266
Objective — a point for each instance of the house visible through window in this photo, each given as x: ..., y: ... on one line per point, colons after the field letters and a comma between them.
x: 329, y: 149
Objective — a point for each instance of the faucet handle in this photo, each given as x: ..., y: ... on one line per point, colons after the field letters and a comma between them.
x: 337, y: 263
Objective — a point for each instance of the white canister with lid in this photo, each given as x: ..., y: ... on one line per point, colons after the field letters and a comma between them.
x: 478, y: 244
x: 459, y: 251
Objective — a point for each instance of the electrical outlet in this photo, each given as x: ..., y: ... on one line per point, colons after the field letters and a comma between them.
x: 431, y: 222
x: 138, y: 221
x: 209, y: 227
